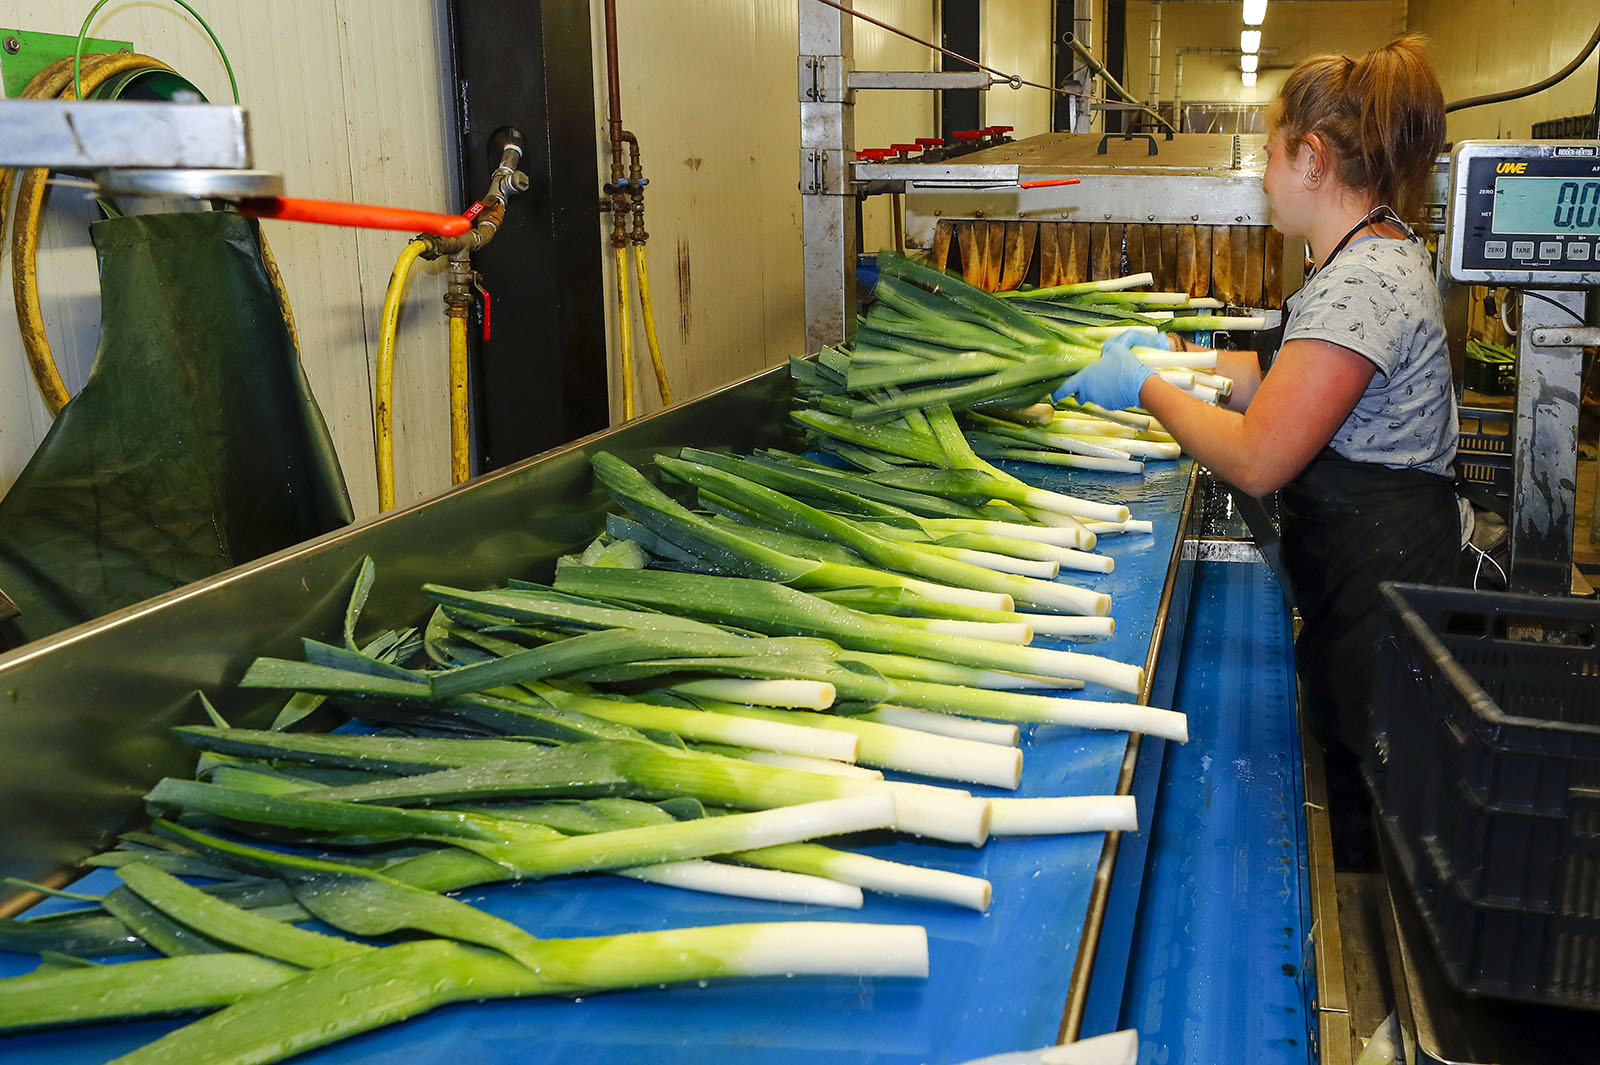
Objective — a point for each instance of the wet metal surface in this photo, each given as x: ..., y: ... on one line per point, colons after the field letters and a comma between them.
x: 999, y: 980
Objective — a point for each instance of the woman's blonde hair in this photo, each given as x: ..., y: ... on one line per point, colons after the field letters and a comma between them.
x: 1381, y: 117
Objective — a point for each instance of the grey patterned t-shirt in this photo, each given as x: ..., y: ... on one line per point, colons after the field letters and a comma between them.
x: 1379, y: 299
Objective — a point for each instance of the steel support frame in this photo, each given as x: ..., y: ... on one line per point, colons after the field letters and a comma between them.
x: 827, y: 194
x: 1545, y: 455
x: 1072, y: 114
x: 540, y: 380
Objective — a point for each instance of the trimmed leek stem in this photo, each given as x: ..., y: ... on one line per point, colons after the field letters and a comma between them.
x: 1015, y: 633
x: 911, y: 751
x: 1162, y: 359
x: 963, y: 728
x: 1017, y: 706
x: 721, y: 878
x: 794, y: 761
x: 1060, y: 815
x: 875, y: 874
x: 793, y: 694
x: 1061, y: 625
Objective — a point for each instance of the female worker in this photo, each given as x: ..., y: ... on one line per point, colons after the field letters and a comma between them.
x: 1356, y: 422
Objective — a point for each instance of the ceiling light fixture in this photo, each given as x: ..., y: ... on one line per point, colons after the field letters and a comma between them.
x: 1255, y: 12
x: 1247, y: 63
x: 1249, y: 41
x: 1249, y: 78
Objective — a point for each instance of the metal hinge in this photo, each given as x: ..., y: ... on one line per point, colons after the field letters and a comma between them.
x: 823, y: 172
x: 822, y: 79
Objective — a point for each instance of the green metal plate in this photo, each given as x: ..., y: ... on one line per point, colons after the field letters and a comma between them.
x: 23, y: 53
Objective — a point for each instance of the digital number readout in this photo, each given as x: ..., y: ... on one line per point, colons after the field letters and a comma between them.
x: 1546, y: 205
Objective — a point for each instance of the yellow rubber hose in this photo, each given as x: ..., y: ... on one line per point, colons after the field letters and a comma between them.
x: 460, y: 451
x: 383, y: 402
x: 276, y: 278
x: 650, y: 327
x: 25, y: 229
x: 625, y: 333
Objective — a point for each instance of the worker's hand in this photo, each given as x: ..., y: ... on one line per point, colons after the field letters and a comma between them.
x: 1114, y: 379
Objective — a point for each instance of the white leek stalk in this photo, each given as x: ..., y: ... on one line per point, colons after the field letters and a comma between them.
x: 797, y: 694
x: 1060, y: 815
x: 721, y: 878
x: 965, y: 728
x: 875, y: 874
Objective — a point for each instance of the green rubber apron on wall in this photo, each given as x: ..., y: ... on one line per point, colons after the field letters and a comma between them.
x: 194, y: 446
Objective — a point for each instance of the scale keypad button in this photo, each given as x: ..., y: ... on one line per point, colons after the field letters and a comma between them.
x: 1522, y: 249
x: 1494, y: 249
x: 1550, y: 249
x: 1578, y: 251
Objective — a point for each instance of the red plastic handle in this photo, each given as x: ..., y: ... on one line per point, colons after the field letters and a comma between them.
x: 487, y: 304
x: 930, y: 142
x: 1053, y: 182
x: 967, y: 134
x: 875, y: 155
x: 363, y: 215
x: 905, y: 149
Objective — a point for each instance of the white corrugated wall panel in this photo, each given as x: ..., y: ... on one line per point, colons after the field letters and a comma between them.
x: 1506, y: 45
x: 711, y: 89
x: 1016, y: 39
x: 347, y: 100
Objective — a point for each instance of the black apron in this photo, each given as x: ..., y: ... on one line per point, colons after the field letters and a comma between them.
x: 1347, y: 526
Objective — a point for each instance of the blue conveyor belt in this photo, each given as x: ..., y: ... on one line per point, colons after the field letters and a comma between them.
x: 999, y: 980
x: 1216, y: 972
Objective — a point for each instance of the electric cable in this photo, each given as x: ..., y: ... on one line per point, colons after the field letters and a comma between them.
x: 1555, y: 303
x: 83, y: 31
x: 1527, y: 90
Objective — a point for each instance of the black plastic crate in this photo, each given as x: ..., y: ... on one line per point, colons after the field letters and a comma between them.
x: 1484, y: 449
x: 1490, y: 378
x: 1486, y: 770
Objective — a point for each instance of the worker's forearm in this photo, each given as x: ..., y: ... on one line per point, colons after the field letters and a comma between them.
x: 1243, y: 368
x: 1218, y: 439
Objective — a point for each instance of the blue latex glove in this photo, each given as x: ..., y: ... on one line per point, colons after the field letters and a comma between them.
x: 1114, y: 379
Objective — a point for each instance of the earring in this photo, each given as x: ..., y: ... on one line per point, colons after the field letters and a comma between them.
x: 1313, y: 179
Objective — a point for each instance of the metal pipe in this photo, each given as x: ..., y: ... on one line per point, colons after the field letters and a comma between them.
x: 621, y: 204
x: 1177, y: 89
x: 1155, y: 54
x: 1100, y: 71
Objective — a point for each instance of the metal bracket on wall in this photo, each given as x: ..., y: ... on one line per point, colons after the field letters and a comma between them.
x: 1587, y: 336
x: 23, y: 53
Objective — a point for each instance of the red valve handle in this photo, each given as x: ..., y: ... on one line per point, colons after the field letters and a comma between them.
x: 905, y: 149
x: 930, y: 142
x: 997, y: 130
x: 875, y: 155
x: 363, y: 215
x: 486, y: 305
x: 1051, y: 183
x: 967, y: 134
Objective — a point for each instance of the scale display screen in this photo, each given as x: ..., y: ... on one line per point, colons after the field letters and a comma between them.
x: 1524, y: 213
x: 1546, y: 206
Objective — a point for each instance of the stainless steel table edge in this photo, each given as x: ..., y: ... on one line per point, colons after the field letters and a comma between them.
x: 1094, y: 921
